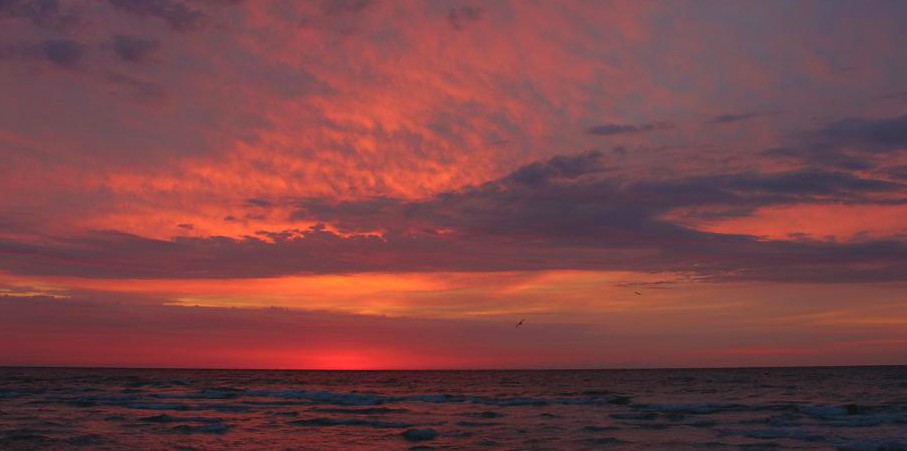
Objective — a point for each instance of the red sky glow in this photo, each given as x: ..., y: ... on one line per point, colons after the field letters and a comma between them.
x: 375, y: 184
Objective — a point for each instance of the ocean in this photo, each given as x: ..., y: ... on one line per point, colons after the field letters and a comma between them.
x: 840, y: 408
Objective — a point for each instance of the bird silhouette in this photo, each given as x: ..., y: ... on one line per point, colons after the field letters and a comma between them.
x: 519, y: 323
x: 638, y: 293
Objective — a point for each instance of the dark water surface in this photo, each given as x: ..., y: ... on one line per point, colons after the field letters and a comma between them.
x: 859, y: 408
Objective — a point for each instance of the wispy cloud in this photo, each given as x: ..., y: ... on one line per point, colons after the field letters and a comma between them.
x: 728, y: 118
x: 619, y: 129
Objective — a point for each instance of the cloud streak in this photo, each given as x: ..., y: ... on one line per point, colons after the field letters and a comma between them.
x: 621, y: 129
x: 728, y: 118
x: 178, y: 15
x: 563, y: 213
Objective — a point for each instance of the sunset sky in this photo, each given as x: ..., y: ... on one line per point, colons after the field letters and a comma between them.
x: 394, y: 184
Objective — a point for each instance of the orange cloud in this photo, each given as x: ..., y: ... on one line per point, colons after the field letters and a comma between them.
x: 821, y: 222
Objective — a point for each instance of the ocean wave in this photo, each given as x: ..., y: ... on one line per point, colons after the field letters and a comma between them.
x: 216, y: 428
x: 872, y: 445
x: 164, y: 418
x: 326, y: 422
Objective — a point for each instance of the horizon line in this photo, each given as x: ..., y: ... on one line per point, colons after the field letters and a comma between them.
x: 629, y: 368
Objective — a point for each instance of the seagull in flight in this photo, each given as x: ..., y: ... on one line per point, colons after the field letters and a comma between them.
x: 519, y: 323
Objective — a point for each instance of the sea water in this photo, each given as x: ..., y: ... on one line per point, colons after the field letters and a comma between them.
x: 842, y: 408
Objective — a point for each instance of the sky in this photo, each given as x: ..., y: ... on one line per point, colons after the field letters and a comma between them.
x: 377, y: 184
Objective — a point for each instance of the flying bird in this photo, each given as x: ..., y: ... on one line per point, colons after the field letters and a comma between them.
x: 638, y: 293
x: 519, y: 323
